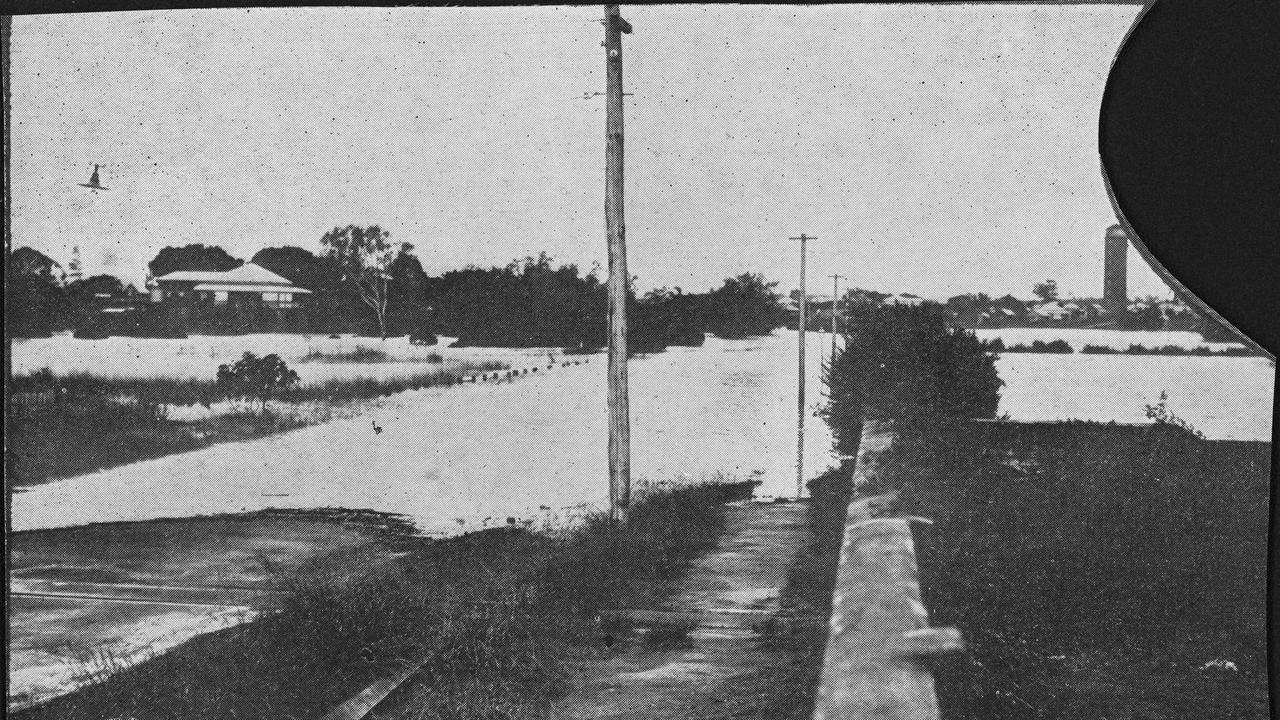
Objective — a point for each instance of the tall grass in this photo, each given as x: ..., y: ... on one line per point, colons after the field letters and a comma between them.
x: 365, y: 355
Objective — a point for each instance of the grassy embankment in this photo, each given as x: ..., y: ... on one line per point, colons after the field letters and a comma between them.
x: 500, y: 617
x: 65, y: 425
x: 1095, y: 570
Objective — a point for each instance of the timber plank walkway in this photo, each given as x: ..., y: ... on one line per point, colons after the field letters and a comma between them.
x: 723, y: 596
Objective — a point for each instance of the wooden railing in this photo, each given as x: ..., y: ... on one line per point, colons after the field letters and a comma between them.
x: 879, y: 629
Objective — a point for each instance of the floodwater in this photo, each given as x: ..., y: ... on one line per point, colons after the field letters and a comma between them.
x: 1226, y: 398
x: 462, y: 458
x: 199, y: 356
x: 1117, y: 339
x: 472, y: 456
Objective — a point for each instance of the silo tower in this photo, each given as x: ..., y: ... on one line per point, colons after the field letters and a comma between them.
x: 1115, y: 272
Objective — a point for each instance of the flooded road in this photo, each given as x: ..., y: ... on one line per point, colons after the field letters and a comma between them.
x: 463, y: 458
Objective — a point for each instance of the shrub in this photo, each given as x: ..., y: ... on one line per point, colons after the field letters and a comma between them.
x: 255, y: 378
x: 903, y: 364
x: 1164, y: 417
x: 743, y: 306
x: 1040, y: 346
x: 1098, y: 350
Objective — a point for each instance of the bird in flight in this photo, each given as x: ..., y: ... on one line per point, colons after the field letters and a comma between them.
x: 93, y: 183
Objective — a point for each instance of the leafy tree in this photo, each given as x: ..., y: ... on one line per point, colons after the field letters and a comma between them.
x: 902, y: 363
x: 334, y: 306
x: 82, y: 296
x: 743, y: 306
x: 300, y: 267
x: 669, y: 316
x: 365, y: 255
x: 255, y: 378
x: 195, y: 257
x: 407, y: 303
x: 1047, y: 291
x: 35, y: 303
x: 528, y: 303
x: 31, y: 263
x: 96, y: 285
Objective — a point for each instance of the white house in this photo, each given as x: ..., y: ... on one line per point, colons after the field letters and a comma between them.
x: 248, y: 284
x: 904, y: 299
x: 1056, y: 310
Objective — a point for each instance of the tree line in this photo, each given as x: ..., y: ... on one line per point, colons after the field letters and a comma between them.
x: 362, y: 282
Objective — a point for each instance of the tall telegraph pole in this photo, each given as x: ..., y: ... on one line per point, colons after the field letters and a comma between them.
x: 804, y: 309
x: 835, y: 312
x: 616, y: 229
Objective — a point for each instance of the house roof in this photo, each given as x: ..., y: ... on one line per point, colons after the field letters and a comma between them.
x: 246, y: 274
x: 249, y: 287
x: 1052, y: 308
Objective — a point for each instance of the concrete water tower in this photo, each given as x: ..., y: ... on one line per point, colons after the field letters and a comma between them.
x: 1115, y: 271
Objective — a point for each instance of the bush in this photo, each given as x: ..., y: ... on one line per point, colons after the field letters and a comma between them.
x: 1098, y: 350
x: 255, y: 378
x: 743, y: 306
x: 1136, y: 349
x: 1040, y: 346
x: 903, y: 364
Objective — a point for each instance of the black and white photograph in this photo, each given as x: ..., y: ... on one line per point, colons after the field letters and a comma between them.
x: 705, y: 362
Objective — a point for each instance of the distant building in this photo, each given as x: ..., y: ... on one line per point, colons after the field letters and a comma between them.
x: 904, y: 299
x: 1057, y: 310
x: 816, y: 302
x: 249, y: 298
x: 247, y: 285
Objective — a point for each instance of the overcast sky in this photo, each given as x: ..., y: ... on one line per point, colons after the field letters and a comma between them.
x: 931, y: 149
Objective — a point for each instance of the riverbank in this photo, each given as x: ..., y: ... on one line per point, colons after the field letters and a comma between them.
x: 507, y: 615
x: 1092, y: 566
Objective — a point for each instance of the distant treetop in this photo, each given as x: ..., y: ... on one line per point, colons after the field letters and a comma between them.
x: 207, y: 258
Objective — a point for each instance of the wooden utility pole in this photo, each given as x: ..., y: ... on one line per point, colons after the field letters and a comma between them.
x: 6, y: 32
x: 835, y: 312
x: 804, y: 309
x: 616, y: 230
